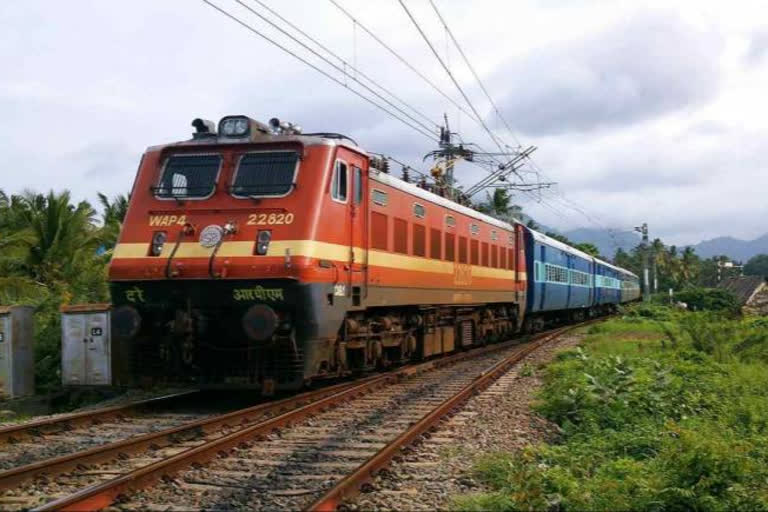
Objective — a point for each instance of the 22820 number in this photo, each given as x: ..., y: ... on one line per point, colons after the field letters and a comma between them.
x: 271, y: 219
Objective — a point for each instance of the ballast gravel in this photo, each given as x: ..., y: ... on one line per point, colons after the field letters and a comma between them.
x: 429, y: 474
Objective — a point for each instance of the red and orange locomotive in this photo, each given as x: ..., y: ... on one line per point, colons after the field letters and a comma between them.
x: 259, y: 256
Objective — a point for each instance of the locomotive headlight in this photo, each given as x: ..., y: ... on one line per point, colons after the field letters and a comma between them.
x: 262, y: 242
x: 158, y: 242
x: 234, y: 126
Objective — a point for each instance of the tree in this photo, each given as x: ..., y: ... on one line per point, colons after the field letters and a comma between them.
x: 559, y: 237
x: 757, y: 266
x: 496, y: 205
x: 588, y: 248
x: 112, y: 218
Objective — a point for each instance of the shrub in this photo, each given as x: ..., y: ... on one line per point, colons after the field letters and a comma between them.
x: 708, y: 299
x: 683, y: 427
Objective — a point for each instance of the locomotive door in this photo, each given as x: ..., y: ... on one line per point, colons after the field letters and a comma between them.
x: 358, y: 221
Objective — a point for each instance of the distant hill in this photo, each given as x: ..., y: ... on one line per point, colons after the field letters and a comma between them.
x: 605, y: 240
x: 738, y: 250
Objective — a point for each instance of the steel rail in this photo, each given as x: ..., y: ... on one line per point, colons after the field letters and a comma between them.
x: 102, y: 495
x: 160, y: 439
x: 35, y: 429
x: 350, y: 486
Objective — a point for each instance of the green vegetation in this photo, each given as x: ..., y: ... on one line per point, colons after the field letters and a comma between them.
x: 757, y: 266
x: 661, y: 410
x: 54, y: 252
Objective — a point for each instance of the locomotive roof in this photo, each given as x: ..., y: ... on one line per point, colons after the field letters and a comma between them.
x: 305, y: 140
x: 419, y: 192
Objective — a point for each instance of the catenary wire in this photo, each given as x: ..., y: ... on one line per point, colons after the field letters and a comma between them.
x: 255, y: 31
x: 450, y: 75
x: 343, y: 61
x: 332, y: 64
x: 474, y: 73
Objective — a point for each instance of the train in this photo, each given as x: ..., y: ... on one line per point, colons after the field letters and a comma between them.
x: 254, y: 255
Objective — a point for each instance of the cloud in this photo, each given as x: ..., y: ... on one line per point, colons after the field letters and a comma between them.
x: 758, y: 46
x: 650, y: 64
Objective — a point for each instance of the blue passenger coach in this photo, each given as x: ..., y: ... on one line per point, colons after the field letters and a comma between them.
x: 565, y: 283
x: 560, y: 283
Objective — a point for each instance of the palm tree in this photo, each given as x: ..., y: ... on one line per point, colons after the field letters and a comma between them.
x: 112, y: 218
x: 689, y: 266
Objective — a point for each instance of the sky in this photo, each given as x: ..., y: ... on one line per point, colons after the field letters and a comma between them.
x: 641, y: 111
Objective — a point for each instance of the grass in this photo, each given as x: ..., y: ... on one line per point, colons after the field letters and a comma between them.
x: 660, y: 410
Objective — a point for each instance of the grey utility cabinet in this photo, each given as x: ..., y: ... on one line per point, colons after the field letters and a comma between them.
x: 17, y: 355
x: 86, y: 345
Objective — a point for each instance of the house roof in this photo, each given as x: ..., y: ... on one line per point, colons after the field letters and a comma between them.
x: 743, y: 287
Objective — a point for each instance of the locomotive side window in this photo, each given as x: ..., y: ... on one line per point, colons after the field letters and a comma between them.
x: 188, y: 176
x: 339, y: 188
x: 358, y: 184
x: 462, y: 249
x: 379, y: 231
x: 401, y: 236
x: 266, y: 173
x: 450, y: 247
x: 419, y: 211
x: 435, y: 243
x: 379, y: 197
x: 450, y: 221
x: 419, y: 240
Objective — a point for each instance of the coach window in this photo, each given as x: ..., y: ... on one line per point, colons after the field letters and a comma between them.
x: 462, y: 249
x: 358, y: 184
x: 339, y: 189
x: 450, y: 247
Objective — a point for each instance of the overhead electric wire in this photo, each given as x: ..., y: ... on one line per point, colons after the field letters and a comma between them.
x: 450, y: 75
x: 474, y: 73
x: 342, y: 60
x: 410, y: 66
x: 255, y: 31
x: 335, y: 66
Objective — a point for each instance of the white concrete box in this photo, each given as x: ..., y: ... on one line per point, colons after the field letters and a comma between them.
x: 17, y: 355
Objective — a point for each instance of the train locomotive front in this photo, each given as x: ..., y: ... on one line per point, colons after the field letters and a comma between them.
x: 216, y: 276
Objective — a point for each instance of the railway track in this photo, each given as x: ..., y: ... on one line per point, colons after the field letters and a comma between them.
x: 313, y: 450
x: 41, y: 439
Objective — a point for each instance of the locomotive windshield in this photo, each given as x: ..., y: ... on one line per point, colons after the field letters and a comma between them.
x: 270, y: 173
x: 189, y: 176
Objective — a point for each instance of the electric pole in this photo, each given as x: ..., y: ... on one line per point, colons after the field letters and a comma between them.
x: 646, y: 262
